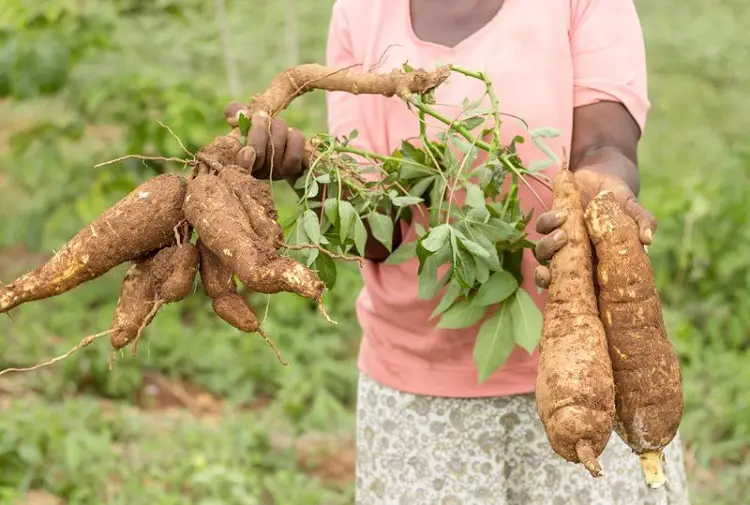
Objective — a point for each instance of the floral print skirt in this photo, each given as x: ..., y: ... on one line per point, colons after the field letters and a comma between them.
x: 426, y: 450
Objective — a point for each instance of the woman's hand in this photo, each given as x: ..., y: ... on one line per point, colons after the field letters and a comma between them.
x: 590, y: 183
x: 273, y: 150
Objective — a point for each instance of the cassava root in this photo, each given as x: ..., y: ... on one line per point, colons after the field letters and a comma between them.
x: 647, y: 378
x: 574, y: 385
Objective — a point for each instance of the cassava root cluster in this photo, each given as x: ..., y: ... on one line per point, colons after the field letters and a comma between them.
x: 230, y: 211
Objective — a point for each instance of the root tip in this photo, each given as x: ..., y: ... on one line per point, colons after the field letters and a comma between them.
x: 324, y: 313
x: 586, y: 456
x: 653, y: 472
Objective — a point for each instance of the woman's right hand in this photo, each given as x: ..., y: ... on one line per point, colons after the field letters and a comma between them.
x: 273, y: 151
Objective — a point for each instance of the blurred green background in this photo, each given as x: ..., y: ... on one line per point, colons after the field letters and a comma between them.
x: 204, y: 414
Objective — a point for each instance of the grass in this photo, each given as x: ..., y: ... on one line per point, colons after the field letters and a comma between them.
x: 205, y: 413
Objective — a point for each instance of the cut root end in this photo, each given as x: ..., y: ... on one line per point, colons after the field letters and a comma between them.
x: 653, y: 472
x: 87, y: 341
x: 587, y: 457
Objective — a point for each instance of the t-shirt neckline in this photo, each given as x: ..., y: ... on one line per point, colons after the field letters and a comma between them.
x: 406, y: 17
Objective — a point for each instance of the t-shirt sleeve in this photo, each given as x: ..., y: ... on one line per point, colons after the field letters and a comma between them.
x: 609, y: 60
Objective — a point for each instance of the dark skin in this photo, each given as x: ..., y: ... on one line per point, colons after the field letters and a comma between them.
x: 603, y: 153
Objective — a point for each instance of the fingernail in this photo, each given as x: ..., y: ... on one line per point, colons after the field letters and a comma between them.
x: 561, y: 214
x: 262, y: 113
x: 559, y: 236
x: 649, y: 234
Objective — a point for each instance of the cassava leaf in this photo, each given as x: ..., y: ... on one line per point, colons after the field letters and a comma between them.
x: 326, y: 268
x: 404, y: 252
x: 347, y: 214
x: 331, y: 210
x: 461, y: 315
x: 498, y: 287
x: 360, y: 235
x: 403, y: 201
x: 452, y: 292
x: 421, y: 186
x: 527, y: 321
x: 311, y: 225
x: 474, y: 196
x: 494, y: 343
x: 436, y: 238
x: 382, y: 228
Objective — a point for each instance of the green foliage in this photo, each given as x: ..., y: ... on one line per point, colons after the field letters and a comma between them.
x: 477, y: 239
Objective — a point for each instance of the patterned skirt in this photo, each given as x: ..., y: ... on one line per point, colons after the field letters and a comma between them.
x: 426, y: 450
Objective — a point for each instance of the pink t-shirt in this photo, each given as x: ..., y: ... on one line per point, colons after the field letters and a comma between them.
x: 545, y: 57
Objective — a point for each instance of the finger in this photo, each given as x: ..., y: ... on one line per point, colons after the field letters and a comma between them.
x: 550, y: 221
x: 246, y: 158
x: 231, y: 113
x: 644, y: 219
x: 276, y: 148
x: 542, y: 276
x: 294, y: 151
x: 550, y: 244
x: 258, y: 138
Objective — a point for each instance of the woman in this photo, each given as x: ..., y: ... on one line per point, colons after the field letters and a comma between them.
x: 426, y: 432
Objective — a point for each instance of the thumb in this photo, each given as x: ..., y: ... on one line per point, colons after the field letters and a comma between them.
x: 644, y: 219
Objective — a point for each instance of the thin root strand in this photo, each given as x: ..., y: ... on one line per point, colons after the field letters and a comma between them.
x: 144, y: 158
x: 270, y: 343
x: 85, y: 342
x: 146, y: 322
x: 303, y: 247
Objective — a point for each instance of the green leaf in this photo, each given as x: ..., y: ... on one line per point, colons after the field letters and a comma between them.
x: 414, y: 171
x: 494, y: 343
x: 326, y: 268
x: 427, y: 279
x: 411, y: 152
x: 461, y: 315
x: 498, y: 287
x: 403, y: 201
x: 473, y: 122
x: 331, y: 210
x: 244, y: 124
x: 311, y: 225
x: 475, y: 249
x: 482, y: 271
x: 347, y: 214
x: 527, y: 321
x: 544, y: 132
x: 360, y: 235
x: 421, y: 186
x: 404, y: 252
x: 382, y: 229
x: 474, y: 196
x: 452, y: 292
x: 465, y: 268
x: 436, y: 238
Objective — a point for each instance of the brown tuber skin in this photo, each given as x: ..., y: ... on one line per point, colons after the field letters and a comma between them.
x: 218, y: 216
x: 574, y: 385
x: 219, y: 285
x: 647, y: 376
x: 142, y: 222
x: 255, y: 197
x: 162, y: 278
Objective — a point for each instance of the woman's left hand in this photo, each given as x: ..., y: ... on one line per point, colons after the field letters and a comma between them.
x: 590, y: 183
